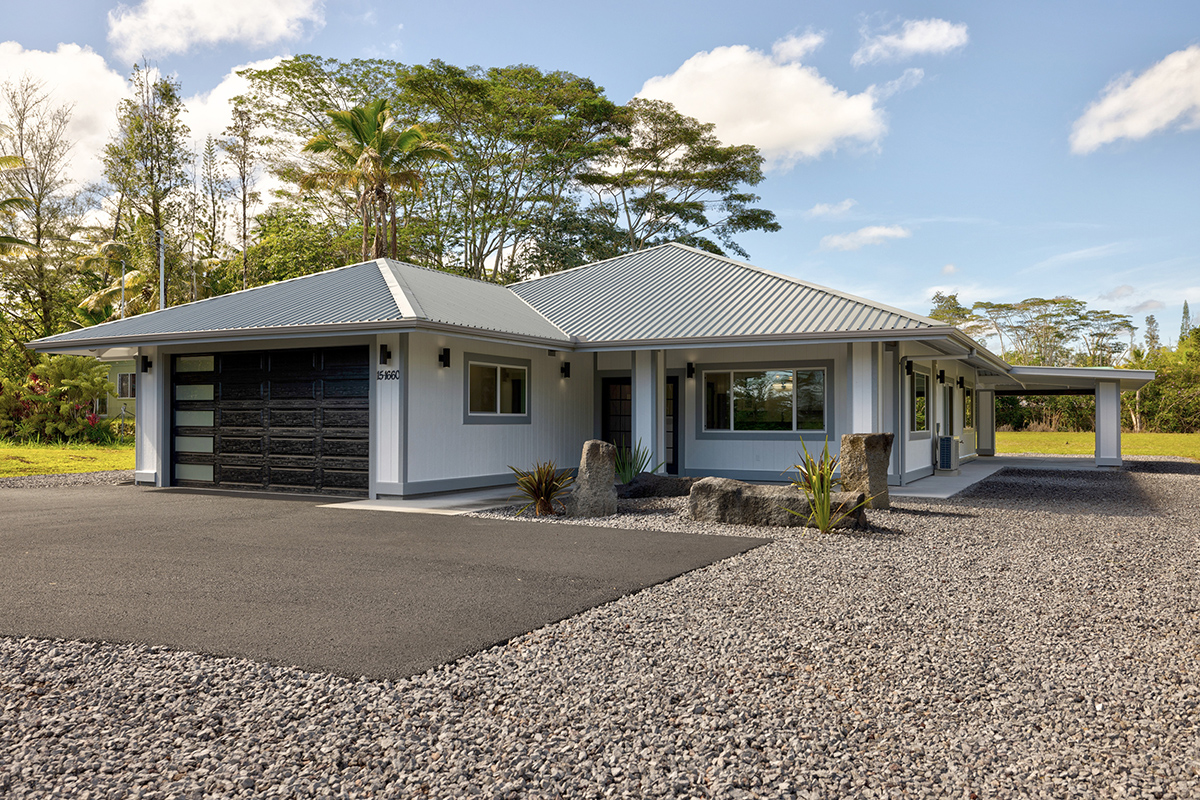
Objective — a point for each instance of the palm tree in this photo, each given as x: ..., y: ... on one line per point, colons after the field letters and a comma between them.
x: 10, y: 205
x: 376, y: 160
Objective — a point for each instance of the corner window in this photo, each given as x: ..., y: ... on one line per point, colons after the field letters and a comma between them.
x: 919, y: 403
x: 764, y: 400
x: 127, y: 385
x: 497, y: 389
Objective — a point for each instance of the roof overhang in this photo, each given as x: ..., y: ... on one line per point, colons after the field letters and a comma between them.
x: 1068, y: 380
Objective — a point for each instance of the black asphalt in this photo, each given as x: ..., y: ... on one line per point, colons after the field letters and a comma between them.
x: 281, y: 580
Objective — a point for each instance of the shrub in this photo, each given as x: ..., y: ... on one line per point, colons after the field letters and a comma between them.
x: 818, y: 484
x: 542, y: 485
x: 55, y: 402
x: 629, y: 464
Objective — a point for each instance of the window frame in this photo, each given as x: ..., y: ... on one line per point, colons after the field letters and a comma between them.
x: 968, y: 401
x: 131, y: 384
x: 913, y: 431
x: 496, y: 417
x: 811, y: 434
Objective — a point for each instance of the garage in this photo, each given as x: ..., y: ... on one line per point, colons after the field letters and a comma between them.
x: 275, y: 420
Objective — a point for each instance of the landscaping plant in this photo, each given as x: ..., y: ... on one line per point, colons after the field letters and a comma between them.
x: 55, y: 403
x: 543, y: 485
x: 631, y: 463
x: 817, y: 482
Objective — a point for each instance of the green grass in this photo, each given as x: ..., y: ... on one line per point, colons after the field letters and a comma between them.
x: 57, y: 459
x: 1084, y: 444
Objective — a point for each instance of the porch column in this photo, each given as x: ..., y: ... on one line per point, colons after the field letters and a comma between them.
x: 648, y: 402
x: 153, y: 419
x: 1108, y: 423
x: 865, y: 408
x: 985, y: 422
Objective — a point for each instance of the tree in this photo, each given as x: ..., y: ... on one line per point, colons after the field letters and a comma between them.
x: 670, y: 179
x: 9, y: 206
x: 1151, y: 337
x: 241, y: 147
x: 1185, y: 327
x: 946, y: 308
x: 375, y: 159
x: 1100, y: 332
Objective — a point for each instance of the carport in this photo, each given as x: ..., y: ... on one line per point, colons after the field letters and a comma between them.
x: 1104, y: 383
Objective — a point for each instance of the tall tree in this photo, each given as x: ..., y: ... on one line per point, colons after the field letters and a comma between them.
x: 671, y: 179
x: 946, y: 308
x: 376, y: 159
x: 1151, y: 337
x: 1100, y: 332
x: 1185, y: 327
x: 242, y: 146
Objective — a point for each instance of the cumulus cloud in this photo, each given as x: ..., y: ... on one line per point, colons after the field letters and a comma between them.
x: 210, y: 113
x: 830, y: 209
x: 872, y: 234
x: 160, y: 27
x: 916, y: 37
x: 786, y: 109
x: 949, y: 269
x: 1165, y: 96
x: 75, y: 76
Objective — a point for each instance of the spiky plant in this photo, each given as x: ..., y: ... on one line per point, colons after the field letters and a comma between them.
x: 542, y: 486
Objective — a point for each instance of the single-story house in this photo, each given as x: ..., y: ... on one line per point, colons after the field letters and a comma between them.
x: 123, y: 374
x: 387, y: 379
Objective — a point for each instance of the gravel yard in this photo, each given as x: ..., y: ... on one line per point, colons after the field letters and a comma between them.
x: 1037, y: 637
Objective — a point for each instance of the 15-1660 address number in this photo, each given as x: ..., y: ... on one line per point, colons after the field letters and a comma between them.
x: 388, y: 375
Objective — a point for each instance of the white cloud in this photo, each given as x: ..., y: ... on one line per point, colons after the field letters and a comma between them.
x: 910, y: 78
x: 76, y: 76
x: 1164, y: 96
x: 794, y: 48
x: 830, y: 209
x: 1122, y: 291
x: 212, y: 112
x: 872, y: 234
x: 916, y: 37
x: 1147, y: 305
x: 160, y: 27
x: 788, y: 110
x: 949, y: 269
x: 1084, y: 254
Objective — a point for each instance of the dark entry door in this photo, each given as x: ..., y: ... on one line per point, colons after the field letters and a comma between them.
x: 616, y: 411
x: 282, y: 420
x: 671, y: 457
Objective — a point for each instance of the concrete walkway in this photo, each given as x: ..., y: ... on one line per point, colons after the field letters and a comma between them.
x: 446, y: 503
x: 972, y: 472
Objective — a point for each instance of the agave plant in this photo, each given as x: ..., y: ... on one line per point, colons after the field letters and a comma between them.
x: 631, y: 463
x: 542, y: 486
x: 818, y: 484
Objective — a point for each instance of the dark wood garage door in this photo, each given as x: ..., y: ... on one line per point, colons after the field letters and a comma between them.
x: 283, y: 420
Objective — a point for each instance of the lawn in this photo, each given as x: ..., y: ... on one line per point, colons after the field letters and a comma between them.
x: 1084, y: 444
x: 56, y: 459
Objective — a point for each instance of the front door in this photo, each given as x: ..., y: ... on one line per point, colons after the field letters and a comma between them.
x: 616, y: 411
x: 670, y: 457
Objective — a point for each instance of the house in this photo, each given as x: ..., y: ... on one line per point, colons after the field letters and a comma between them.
x: 123, y: 375
x: 387, y: 379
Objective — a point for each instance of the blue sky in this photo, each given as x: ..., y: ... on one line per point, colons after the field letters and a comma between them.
x: 1001, y: 150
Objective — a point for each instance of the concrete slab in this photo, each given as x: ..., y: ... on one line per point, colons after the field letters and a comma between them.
x: 972, y: 472
x: 448, y: 503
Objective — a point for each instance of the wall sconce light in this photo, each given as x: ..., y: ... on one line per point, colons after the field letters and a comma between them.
x: 146, y: 363
x: 565, y: 369
x: 908, y: 370
x: 385, y: 355
x: 941, y: 376
x: 691, y: 370
x: 444, y: 357
x: 961, y: 383
x: 552, y: 353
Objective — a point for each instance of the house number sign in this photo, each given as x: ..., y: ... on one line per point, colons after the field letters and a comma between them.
x: 388, y: 375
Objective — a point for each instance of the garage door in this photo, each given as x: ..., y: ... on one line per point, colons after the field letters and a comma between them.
x: 281, y: 420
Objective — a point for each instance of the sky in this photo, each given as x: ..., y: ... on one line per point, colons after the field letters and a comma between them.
x: 997, y: 150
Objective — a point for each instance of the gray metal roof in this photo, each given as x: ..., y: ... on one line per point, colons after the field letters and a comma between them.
x: 438, y: 296
x: 678, y: 292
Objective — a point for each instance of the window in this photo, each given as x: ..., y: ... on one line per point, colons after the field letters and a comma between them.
x: 100, y: 406
x: 969, y: 407
x: 919, y: 419
x: 127, y: 385
x: 496, y: 389
x: 764, y: 400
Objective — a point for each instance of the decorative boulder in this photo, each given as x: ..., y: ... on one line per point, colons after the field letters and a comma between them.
x: 730, y: 501
x: 594, y: 494
x: 865, y: 458
x: 647, y: 484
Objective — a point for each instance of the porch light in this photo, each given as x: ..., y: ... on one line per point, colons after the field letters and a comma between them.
x: 691, y: 370
x: 565, y: 369
x: 146, y: 363
x: 385, y: 355
x: 961, y: 383
x: 908, y: 368
x: 444, y: 357
x: 941, y: 376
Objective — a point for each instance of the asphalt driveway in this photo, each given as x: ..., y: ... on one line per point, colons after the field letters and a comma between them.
x: 282, y: 580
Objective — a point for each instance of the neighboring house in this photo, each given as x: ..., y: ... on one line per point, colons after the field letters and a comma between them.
x: 123, y: 375
x: 383, y: 378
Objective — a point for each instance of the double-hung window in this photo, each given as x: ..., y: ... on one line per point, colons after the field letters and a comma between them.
x: 764, y: 400
x: 497, y: 389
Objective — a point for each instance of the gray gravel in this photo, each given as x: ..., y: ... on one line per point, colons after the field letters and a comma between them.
x: 1038, y: 637
x: 68, y: 479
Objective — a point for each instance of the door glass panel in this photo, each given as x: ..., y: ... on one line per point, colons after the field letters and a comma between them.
x: 194, y: 472
x: 193, y: 444
x: 194, y: 419
x: 204, y: 392
x: 194, y: 364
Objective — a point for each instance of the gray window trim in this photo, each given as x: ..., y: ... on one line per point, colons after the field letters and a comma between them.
x: 497, y: 418
x: 775, y: 436
x: 909, y: 389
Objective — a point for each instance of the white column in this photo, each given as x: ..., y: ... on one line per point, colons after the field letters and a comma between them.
x: 388, y: 429
x: 865, y: 416
x: 153, y: 422
x: 985, y: 422
x: 1108, y: 423
x: 647, y: 420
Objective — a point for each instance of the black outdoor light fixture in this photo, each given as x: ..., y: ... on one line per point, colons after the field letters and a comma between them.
x: 146, y: 363
x: 565, y: 369
x: 941, y: 376
x: 961, y: 383
x: 691, y: 371
x: 385, y: 355
x: 444, y: 357
x: 908, y: 369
